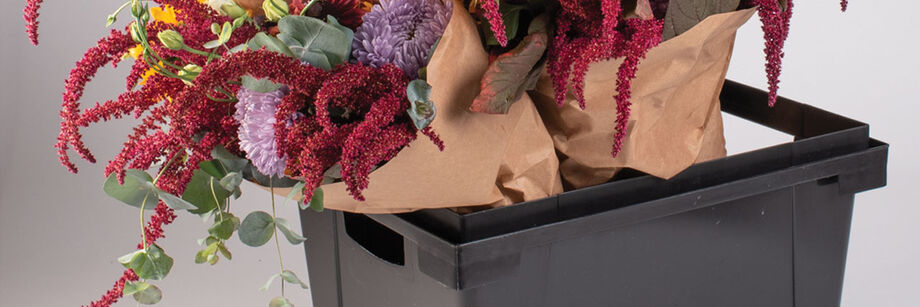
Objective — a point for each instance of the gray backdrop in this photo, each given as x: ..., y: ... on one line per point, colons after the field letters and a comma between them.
x: 60, y: 234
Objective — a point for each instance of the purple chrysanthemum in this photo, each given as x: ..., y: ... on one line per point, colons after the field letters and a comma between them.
x: 401, y: 32
x: 256, y: 113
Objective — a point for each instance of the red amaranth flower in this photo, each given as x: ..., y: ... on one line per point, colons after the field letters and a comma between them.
x: 111, y: 297
x: 496, y: 23
x: 843, y: 5
x: 30, y: 14
x: 591, y: 31
x: 108, y: 49
x: 775, y: 30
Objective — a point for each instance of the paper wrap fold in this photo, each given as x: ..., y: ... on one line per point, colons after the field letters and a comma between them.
x: 489, y: 159
x: 675, y: 119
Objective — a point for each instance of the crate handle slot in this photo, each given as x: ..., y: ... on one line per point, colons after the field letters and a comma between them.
x: 375, y: 238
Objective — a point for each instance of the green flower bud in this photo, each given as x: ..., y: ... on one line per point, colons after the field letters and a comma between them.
x: 135, y: 33
x: 275, y: 9
x: 227, y: 7
x: 171, y: 39
x: 189, y: 72
x: 137, y: 9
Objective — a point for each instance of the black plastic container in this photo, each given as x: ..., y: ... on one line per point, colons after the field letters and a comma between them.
x: 764, y: 228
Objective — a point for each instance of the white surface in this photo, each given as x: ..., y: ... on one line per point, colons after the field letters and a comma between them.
x: 60, y: 234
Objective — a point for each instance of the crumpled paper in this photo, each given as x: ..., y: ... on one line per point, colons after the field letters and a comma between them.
x: 489, y: 159
x: 675, y: 119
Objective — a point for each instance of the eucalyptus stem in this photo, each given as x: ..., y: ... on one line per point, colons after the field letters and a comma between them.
x: 220, y: 212
x: 144, y: 227
x: 271, y: 187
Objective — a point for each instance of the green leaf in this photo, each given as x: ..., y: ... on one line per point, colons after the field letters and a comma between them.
x: 238, y: 22
x: 269, y: 42
x: 212, y: 44
x: 316, y: 42
x: 289, y: 234
x: 685, y: 14
x: 223, y: 229
x: 231, y: 181
x: 513, y: 72
x: 280, y: 302
x: 296, y: 189
x: 268, y: 283
x: 151, y: 264
x: 291, y: 278
x: 149, y: 296
x: 199, y: 193
x: 174, y: 201
x: 225, y: 32
x: 316, y: 202
x: 229, y: 160
x: 257, y: 228
x: 132, y: 287
x: 208, y: 254
x: 213, y: 168
x: 260, y: 85
x: 224, y: 251
x: 422, y: 109
x: 138, y: 187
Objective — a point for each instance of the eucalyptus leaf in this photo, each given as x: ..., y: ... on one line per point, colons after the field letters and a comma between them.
x: 296, y: 189
x: 512, y: 73
x: 260, y: 85
x: 270, y: 43
x: 290, y: 277
x: 316, y: 42
x: 225, y: 32
x: 316, y: 202
x: 149, y: 296
x: 290, y: 234
x: 280, y: 302
x: 152, y: 263
x: 223, y: 229
x: 224, y: 251
x: 268, y: 283
x: 422, y: 110
x: 257, y: 228
x: 201, y: 191
x: 213, y: 168
x: 174, y: 201
x: 212, y: 44
x: 138, y: 189
x: 132, y: 287
x: 206, y: 254
x: 231, y: 181
x: 684, y: 14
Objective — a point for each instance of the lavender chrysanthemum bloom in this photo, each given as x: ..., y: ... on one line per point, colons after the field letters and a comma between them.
x: 401, y: 32
x: 256, y: 113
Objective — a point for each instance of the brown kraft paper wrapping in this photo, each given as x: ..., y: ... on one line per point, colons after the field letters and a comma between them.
x: 675, y: 119
x: 489, y: 159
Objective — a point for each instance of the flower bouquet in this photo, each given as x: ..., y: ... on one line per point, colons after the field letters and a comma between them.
x: 396, y: 105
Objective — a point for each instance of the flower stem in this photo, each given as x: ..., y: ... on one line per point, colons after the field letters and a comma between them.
x: 144, y: 227
x: 271, y: 187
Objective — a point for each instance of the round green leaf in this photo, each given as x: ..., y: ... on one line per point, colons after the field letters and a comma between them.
x: 151, y: 264
x: 257, y: 228
x: 149, y: 296
x: 231, y: 181
x: 138, y: 187
x: 224, y: 229
x: 134, y: 287
x: 174, y: 201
